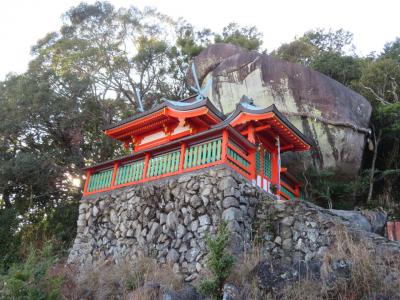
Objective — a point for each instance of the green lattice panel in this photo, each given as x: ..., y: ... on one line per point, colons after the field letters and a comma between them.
x: 163, y: 164
x: 202, y: 154
x: 287, y: 192
x: 258, y: 161
x: 238, y: 158
x: 129, y: 172
x: 267, y: 164
x: 100, y: 180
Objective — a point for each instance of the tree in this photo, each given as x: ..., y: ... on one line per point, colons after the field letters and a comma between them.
x: 325, y: 51
x: 247, y: 37
x: 343, y: 68
x: 298, y: 51
x: 380, y: 83
x: 392, y: 50
x: 330, y: 41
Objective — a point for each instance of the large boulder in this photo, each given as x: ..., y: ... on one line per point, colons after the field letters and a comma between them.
x: 368, y: 220
x: 332, y: 115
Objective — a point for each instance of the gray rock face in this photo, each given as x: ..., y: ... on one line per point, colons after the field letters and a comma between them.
x: 371, y: 221
x: 303, y: 233
x: 332, y: 115
x: 172, y: 256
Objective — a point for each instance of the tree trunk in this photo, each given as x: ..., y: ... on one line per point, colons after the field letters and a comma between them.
x: 387, y: 198
x: 372, y: 172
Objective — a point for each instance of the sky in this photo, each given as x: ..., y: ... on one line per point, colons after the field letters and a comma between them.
x: 373, y: 23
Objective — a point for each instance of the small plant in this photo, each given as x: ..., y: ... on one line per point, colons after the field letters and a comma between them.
x: 32, y: 279
x: 220, y: 262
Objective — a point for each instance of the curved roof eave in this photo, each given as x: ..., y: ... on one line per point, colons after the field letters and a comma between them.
x: 272, y: 108
x: 176, y: 105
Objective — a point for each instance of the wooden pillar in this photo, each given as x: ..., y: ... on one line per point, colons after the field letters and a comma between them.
x: 116, y: 165
x: 262, y: 163
x: 182, y: 157
x: 253, y: 167
x: 224, y: 144
x: 88, y: 174
x: 252, y: 139
x: 146, y: 165
x: 275, y: 168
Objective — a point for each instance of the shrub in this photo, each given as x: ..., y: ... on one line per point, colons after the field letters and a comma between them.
x: 10, y: 242
x: 31, y: 279
x: 220, y: 262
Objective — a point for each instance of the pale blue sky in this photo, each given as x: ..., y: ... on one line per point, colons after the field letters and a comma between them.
x: 23, y: 22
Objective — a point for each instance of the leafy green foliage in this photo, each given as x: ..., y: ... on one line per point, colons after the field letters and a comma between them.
x: 247, y: 37
x: 9, y: 241
x: 323, y: 188
x: 219, y: 261
x: 329, y: 41
x: 31, y: 279
x: 298, y: 51
x: 392, y: 50
x: 343, y: 68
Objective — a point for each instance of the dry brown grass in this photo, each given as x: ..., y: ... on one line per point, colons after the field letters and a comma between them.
x: 106, y: 280
x: 369, y: 266
x: 367, y: 276
x: 241, y: 274
x: 305, y: 289
x: 244, y: 266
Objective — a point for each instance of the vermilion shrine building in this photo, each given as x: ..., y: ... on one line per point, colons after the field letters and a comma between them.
x: 177, y: 137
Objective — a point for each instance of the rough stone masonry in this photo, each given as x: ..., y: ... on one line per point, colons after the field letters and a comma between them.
x: 169, y: 219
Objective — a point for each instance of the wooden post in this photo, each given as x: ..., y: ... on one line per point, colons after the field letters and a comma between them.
x: 253, y: 167
x: 116, y: 165
x: 146, y: 165
x: 88, y: 174
x: 252, y: 154
x: 182, y: 157
x: 275, y: 167
x: 224, y: 144
x: 262, y: 162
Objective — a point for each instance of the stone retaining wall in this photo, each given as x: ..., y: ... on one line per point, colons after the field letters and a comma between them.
x: 167, y: 219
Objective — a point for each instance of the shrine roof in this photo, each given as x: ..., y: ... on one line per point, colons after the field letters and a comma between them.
x: 244, y: 107
x: 187, y: 104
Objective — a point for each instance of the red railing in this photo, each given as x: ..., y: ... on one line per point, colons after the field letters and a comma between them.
x: 185, y: 155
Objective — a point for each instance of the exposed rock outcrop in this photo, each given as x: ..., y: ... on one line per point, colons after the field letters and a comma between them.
x: 334, y: 116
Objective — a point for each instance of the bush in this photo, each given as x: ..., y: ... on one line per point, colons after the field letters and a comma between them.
x: 10, y: 242
x: 220, y: 262
x: 31, y: 279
